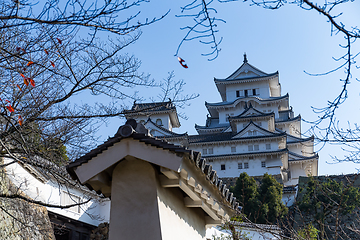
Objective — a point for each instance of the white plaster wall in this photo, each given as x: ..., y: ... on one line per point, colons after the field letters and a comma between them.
x: 247, y: 233
x: 177, y: 221
x: 296, y: 148
x: 134, y: 207
x: 164, y: 118
x: 258, y: 235
x: 93, y: 213
x: 231, y: 168
x: 263, y: 89
x: 288, y: 199
x: 296, y: 170
x: 308, y: 149
x: 240, y: 108
x: 241, y: 147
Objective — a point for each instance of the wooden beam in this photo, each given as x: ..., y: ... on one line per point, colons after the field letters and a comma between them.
x: 169, y: 173
x: 165, y: 182
x: 183, y: 186
x: 211, y: 222
x: 191, y: 203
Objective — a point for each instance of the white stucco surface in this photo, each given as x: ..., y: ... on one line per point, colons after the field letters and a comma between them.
x: 41, y: 189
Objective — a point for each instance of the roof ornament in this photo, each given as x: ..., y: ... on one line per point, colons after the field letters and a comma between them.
x: 245, y: 59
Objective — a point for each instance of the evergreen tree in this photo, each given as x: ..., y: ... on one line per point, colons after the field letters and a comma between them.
x: 270, y: 195
x: 323, y: 204
x: 246, y: 191
x: 261, y: 204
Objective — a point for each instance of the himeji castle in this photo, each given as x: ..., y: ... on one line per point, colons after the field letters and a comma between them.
x: 253, y: 129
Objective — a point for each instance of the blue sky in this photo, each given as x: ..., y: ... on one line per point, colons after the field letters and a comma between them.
x: 289, y: 40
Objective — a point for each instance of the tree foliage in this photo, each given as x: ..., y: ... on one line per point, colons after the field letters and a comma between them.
x: 64, y: 71
x: 261, y: 204
x: 325, y: 203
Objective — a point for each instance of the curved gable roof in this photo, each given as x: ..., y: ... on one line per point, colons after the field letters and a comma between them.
x: 266, y: 133
x: 251, y: 112
x: 246, y: 70
x: 297, y: 118
x: 238, y: 100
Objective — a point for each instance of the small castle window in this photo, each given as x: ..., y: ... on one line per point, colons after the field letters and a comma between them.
x: 222, y: 166
x: 246, y: 165
x: 159, y: 122
x: 256, y: 147
x: 204, y: 151
x: 240, y: 165
x: 239, y: 93
x: 263, y: 164
x: 233, y: 149
x: 211, y: 150
x: 268, y: 146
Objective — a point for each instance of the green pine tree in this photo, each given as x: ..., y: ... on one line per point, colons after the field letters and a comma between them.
x: 246, y: 191
x: 270, y: 195
x: 261, y: 204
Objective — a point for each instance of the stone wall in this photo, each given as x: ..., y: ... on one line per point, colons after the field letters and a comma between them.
x: 20, y: 220
x: 349, y: 224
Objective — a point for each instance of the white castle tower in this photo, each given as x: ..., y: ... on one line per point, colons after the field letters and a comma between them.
x: 253, y: 129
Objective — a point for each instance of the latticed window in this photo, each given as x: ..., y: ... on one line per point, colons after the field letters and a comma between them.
x: 263, y: 164
x: 240, y: 166
x: 233, y: 149
x: 204, y: 151
x: 246, y: 165
x: 268, y: 146
x: 256, y: 147
x: 159, y: 122
x: 211, y: 151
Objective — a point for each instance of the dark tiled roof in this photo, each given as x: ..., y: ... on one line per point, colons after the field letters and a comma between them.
x: 151, y: 107
x: 241, y: 115
x: 199, y: 162
x: 289, y: 189
x: 289, y: 120
x: 45, y: 170
x: 272, y: 134
x: 244, y: 79
x: 239, y: 99
x: 210, y: 137
x: 301, y: 157
x: 226, y: 136
x: 284, y: 150
x: 256, y: 226
x: 117, y: 138
x: 293, y: 139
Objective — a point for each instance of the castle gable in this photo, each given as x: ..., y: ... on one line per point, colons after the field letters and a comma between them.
x: 253, y: 130
x: 246, y: 70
